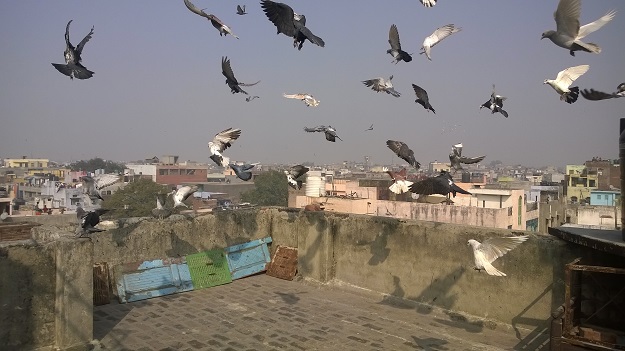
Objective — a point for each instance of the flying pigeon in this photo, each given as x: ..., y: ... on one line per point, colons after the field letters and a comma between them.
x: 428, y: 3
x: 221, y: 142
x: 595, y: 95
x: 568, y: 33
x: 438, y: 35
x: 403, y: 151
x: 495, y: 103
x: 564, y: 80
x: 88, y: 221
x: 400, y: 184
x: 329, y: 132
x: 293, y: 174
x: 241, y: 10
x: 379, y: 84
x: 370, y: 128
x: 72, y: 67
x: 161, y: 211
x: 233, y: 83
x: 491, y: 249
x: 441, y: 184
x: 289, y: 23
x: 422, y: 98
x: 216, y: 22
x: 93, y: 185
x: 308, y: 99
x: 242, y: 171
x: 456, y: 158
x: 182, y: 194
x: 250, y: 98
x: 395, y: 50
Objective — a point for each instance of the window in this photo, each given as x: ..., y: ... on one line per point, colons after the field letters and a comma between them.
x: 591, y: 183
x: 519, y: 209
x: 162, y: 172
x: 190, y: 171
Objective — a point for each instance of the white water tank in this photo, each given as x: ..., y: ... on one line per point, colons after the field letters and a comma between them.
x: 315, y: 184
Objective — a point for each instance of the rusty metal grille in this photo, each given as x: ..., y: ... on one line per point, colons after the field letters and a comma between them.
x: 101, y: 284
x: 283, y: 265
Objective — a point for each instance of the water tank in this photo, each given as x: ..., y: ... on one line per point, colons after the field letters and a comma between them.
x: 315, y: 184
x: 466, y: 177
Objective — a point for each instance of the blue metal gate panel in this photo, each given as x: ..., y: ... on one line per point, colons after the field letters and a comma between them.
x: 248, y: 258
x: 143, y: 280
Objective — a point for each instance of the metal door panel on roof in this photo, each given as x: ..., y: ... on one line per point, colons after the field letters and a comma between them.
x: 248, y: 258
x: 143, y: 280
x: 209, y: 268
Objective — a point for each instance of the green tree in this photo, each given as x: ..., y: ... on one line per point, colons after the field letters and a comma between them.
x: 97, y: 163
x: 271, y: 189
x: 136, y: 199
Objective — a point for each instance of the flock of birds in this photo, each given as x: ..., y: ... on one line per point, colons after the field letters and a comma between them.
x: 568, y: 35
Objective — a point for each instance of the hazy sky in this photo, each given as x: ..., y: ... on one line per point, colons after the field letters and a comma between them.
x: 158, y: 87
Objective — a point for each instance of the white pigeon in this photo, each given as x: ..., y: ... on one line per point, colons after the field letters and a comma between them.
x: 182, y: 194
x: 92, y: 186
x: 308, y: 99
x: 491, y: 249
x: 380, y: 84
x: 436, y: 37
x: 568, y: 33
x: 221, y: 142
x: 428, y: 3
x: 562, y: 83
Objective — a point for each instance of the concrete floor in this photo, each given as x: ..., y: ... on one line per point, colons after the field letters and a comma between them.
x: 266, y: 313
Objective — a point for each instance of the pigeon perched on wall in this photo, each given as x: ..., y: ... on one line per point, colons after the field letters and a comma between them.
x: 182, y: 194
x: 241, y: 10
x: 233, y: 83
x: 400, y: 184
x: 88, y: 220
x: 289, y: 23
x: 595, y: 95
x: 216, y: 22
x: 568, y: 33
x: 395, y: 50
x: 428, y: 3
x: 329, y: 132
x: 491, y: 249
x: 293, y: 174
x: 436, y: 37
x: 308, y: 99
x: 379, y: 84
x: 456, y: 158
x: 221, y: 142
x: 564, y: 80
x: 242, y: 171
x: 73, y: 67
x: 403, y: 151
x: 441, y: 184
x: 422, y: 98
x: 495, y: 103
x: 161, y: 211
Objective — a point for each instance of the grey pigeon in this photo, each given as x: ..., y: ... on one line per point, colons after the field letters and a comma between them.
x: 422, y: 98
x: 441, y: 184
x: 88, y: 221
x: 428, y: 3
x: 495, y: 103
x: 487, y: 252
x: 182, y: 194
x: 595, y: 95
x: 436, y: 37
x: 562, y: 83
x: 330, y: 133
x: 456, y: 159
x: 242, y: 171
x: 161, y: 211
x: 241, y: 10
x: 289, y: 23
x: 233, y: 83
x: 395, y: 50
x: 216, y: 22
x: 379, y: 84
x: 73, y: 67
x: 403, y: 151
x: 568, y: 33
x: 221, y: 142
x: 293, y: 174
x: 92, y: 186
x: 250, y: 98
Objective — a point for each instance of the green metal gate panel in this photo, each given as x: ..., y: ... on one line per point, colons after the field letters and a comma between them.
x: 209, y: 268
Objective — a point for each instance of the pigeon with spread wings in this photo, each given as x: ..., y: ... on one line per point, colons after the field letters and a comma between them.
x: 308, y: 99
x: 422, y: 98
x: 73, y: 67
x: 88, y: 221
x: 456, y: 158
x: 221, y: 142
x: 400, y: 184
x: 487, y: 252
x: 92, y: 186
x: 161, y: 211
x: 216, y: 22
x: 436, y: 37
x: 403, y: 151
x: 293, y: 174
x: 289, y: 23
x: 243, y: 171
x: 395, y: 50
x: 495, y: 103
x: 329, y: 132
x: 182, y: 194
x: 380, y: 84
x: 595, y: 95
x: 441, y: 184
x: 562, y: 83
x: 233, y: 83
x: 241, y: 10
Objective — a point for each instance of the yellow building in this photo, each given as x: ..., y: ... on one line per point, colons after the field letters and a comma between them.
x: 580, y: 181
x: 26, y: 162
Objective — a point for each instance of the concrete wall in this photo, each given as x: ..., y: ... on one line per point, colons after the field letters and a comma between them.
x: 606, y: 217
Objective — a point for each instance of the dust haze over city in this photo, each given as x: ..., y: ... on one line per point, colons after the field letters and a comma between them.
x: 158, y: 87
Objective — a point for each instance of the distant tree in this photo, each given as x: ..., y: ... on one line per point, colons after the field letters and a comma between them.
x: 271, y: 190
x: 136, y: 199
x: 97, y: 163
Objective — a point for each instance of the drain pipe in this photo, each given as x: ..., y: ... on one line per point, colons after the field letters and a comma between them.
x: 621, y: 155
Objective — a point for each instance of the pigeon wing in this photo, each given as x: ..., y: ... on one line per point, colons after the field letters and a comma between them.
x: 494, y: 248
x: 194, y: 9
x: 421, y: 93
x: 374, y: 83
x: 442, y: 33
x: 569, y: 75
x: 595, y: 95
x: 297, y: 171
x: 310, y: 36
x: 224, y: 138
x: 281, y: 15
x: 471, y: 160
x: 393, y: 38
x: 593, y: 26
x: 567, y: 17
x: 104, y: 180
x: 429, y: 186
x: 226, y: 70
x: 84, y: 41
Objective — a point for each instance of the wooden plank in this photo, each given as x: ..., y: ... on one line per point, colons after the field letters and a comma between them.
x: 248, y: 258
x: 101, y: 284
x: 283, y: 265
